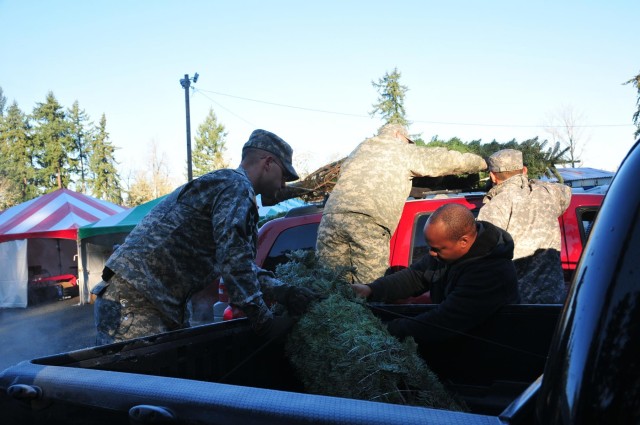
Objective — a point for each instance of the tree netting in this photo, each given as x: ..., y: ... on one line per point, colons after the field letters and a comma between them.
x: 340, y: 348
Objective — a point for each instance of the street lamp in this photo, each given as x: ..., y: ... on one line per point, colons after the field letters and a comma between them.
x: 186, y: 83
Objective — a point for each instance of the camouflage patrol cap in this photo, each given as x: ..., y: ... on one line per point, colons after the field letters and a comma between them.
x: 267, y: 141
x: 505, y: 160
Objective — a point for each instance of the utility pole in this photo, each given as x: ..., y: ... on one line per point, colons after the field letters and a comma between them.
x: 186, y: 83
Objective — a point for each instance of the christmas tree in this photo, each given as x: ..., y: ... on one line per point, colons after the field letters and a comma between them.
x: 340, y: 348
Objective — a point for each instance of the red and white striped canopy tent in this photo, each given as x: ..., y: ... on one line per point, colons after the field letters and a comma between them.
x: 39, y: 237
x: 55, y: 215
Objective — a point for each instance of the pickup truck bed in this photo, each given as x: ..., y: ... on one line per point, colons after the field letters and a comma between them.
x: 220, y: 373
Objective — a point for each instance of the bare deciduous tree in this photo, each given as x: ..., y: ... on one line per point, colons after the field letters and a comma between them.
x: 153, y: 182
x: 565, y: 126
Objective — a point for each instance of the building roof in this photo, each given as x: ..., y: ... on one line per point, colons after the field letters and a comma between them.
x: 583, y: 173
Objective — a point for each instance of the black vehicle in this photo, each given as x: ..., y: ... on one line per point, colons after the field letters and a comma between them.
x: 588, y: 349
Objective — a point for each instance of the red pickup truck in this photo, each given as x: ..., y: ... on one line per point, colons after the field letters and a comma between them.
x: 299, y: 229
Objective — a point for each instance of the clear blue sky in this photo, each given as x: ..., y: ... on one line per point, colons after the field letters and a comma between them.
x: 475, y: 70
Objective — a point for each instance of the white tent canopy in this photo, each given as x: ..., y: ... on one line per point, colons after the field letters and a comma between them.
x: 13, y: 263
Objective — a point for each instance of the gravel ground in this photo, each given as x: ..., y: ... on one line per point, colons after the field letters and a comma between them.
x: 45, y: 329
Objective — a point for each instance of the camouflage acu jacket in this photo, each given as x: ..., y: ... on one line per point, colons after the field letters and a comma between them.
x: 203, y: 230
x: 529, y: 211
x: 376, y: 177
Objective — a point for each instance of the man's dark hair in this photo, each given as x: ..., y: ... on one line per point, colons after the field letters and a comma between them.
x: 253, y: 155
x: 458, y: 220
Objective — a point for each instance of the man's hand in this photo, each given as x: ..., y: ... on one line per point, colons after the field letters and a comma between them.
x: 361, y: 290
x: 298, y: 299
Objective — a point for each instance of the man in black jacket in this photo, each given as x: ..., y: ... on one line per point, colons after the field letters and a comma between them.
x: 469, y: 272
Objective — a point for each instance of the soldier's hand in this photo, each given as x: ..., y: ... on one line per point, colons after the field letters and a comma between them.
x: 361, y: 290
x: 298, y: 299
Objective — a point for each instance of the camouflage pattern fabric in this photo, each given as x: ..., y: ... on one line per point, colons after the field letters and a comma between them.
x: 354, y: 241
x: 203, y: 230
x: 123, y: 313
x: 505, y: 160
x: 540, y: 278
x: 529, y: 211
x: 374, y: 182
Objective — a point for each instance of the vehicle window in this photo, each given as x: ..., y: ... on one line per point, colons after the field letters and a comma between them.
x: 586, y: 217
x: 419, y: 247
x: 299, y: 237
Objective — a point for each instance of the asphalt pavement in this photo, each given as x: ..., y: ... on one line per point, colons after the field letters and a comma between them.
x: 52, y: 327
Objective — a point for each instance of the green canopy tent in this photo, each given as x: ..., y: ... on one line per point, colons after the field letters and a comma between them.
x: 97, y: 240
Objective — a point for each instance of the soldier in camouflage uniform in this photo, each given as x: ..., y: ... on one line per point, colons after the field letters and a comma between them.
x: 529, y: 211
x: 204, y: 230
x: 366, y: 203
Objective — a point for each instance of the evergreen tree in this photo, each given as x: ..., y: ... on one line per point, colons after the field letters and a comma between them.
x: 391, y: 99
x: 80, y: 133
x: 454, y: 144
x: 3, y: 102
x: 541, y: 162
x: 103, y: 176
x: 635, y: 81
x: 366, y: 361
x: 8, y: 186
x: 208, y: 154
x: 539, y: 159
x: 17, y: 154
x: 56, y: 149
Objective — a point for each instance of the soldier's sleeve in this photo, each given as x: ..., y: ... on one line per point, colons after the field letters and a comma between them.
x: 559, y: 196
x: 270, y: 286
x: 497, y: 211
x: 233, y: 232
x: 435, y: 162
x: 565, y: 198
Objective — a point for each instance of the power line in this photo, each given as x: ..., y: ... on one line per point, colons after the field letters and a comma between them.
x: 521, y: 125
x: 413, y: 121
x: 226, y: 109
x: 285, y: 106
